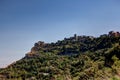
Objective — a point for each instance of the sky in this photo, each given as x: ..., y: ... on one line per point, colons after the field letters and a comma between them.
x: 24, y: 22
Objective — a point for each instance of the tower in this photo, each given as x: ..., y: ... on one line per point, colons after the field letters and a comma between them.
x: 75, y: 37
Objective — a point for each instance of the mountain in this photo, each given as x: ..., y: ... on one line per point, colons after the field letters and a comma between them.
x: 74, y: 58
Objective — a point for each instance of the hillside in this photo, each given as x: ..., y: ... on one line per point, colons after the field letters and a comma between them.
x: 74, y: 58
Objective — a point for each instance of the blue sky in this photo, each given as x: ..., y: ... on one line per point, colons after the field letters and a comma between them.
x: 24, y: 22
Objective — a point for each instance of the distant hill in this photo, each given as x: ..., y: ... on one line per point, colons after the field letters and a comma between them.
x: 74, y: 58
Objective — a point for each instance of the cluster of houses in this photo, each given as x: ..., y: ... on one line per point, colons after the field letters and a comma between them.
x: 112, y: 33
x: 78, y: 38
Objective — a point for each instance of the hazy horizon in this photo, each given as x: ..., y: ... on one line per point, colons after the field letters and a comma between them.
x: 24, y: 22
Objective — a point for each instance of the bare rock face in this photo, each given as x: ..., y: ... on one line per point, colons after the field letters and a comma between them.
x: 29, y: 55
x: 35, y: 50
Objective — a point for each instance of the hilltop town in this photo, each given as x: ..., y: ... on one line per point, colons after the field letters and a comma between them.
x: 46, y: 47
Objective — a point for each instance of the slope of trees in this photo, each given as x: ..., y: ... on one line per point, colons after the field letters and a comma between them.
x: 74, y: 58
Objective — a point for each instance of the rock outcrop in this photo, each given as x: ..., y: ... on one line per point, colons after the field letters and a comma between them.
x: 35, y: 50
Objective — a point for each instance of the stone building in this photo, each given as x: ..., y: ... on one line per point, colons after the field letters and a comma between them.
x: 114, y: 34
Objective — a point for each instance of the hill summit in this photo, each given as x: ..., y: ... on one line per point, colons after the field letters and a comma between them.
x: 50, y: 47
x: 73, y: 58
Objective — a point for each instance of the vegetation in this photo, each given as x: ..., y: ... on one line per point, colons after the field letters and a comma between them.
x: 74, y: 58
